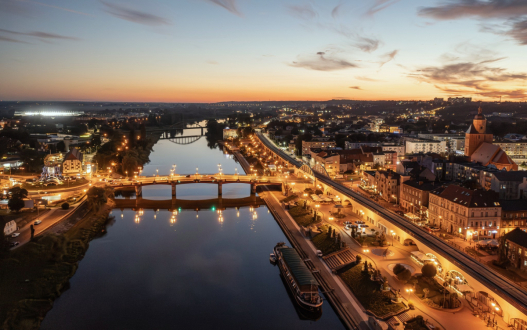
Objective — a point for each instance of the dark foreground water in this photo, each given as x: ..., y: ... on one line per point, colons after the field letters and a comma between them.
x: 184, y: 270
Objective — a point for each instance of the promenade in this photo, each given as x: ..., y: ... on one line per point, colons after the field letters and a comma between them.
x: 336, y: 292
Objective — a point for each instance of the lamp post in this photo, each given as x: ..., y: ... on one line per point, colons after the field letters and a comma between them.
x: 316, y: 210
x: 393, y: 235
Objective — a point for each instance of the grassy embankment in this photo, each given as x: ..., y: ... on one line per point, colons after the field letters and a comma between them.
x: 34, y: 275
x: 368, y: 292
x: 301, y: 216
x: 324, y: 243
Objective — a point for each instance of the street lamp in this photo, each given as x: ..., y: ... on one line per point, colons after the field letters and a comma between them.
x: 393, y: 235
x: 316, y: 210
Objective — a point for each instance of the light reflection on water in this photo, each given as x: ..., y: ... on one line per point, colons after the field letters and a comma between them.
x: 187, y: 269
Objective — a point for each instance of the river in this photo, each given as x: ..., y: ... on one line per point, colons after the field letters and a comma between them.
x: 190, y: 270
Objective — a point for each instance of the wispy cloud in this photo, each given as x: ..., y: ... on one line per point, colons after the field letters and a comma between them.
x: 230, y: 5
x: 513, y: 14
x: 336, y: 11
x: 135, y: 16
x: 476, y: 78
x: 323, y: 62
x: 40, y: 35
x: 379, y: 5
x: 364, y: 78
x: 355, y: 87
x: 476, y: 8
x: 304, y: 12
x: 55, y: 7
x: 388, y: 57
x: 367, y: 45
x: 2, y: 38
x: 212, y: 62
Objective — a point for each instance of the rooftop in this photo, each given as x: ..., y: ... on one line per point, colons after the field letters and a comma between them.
x: 468, y: 197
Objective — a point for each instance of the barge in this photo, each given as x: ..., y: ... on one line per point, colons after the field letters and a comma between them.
x: 298, y: 277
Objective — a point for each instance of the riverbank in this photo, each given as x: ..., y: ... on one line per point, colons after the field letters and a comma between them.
x: 336, y: 293
x: 34, y: 275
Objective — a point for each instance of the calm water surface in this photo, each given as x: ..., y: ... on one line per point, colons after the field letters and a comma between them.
x: 192, y: 270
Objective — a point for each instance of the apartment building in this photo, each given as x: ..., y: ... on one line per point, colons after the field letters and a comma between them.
x: 323, y: 144
x: 507, y: 184
x: 399, y: 149
x: 465, y: 212
x: 356, y: 145
x: 513, y: 215
x: 415, y: 196
x: 388, y: 185
x: 455, y: 143
x: 414, y: 145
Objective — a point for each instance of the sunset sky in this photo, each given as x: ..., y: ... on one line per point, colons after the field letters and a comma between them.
x: 248, y: 50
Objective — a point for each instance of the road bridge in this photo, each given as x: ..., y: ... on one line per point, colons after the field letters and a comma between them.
x: 217, y: 179
x: 510, y: 297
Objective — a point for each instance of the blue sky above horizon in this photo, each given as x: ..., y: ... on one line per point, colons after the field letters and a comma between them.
x: 221, y: 50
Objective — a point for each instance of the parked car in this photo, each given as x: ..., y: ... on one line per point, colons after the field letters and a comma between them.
x: 13, y: 244
x: 319, y: 254
x: 15, y: 235
x: 37, y: 222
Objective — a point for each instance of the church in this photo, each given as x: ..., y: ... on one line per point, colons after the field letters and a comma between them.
x: 479, y: 147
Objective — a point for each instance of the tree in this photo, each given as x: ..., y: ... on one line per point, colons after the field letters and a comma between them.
x: 15, y: 204
x: 429, y: 270
x: 398, y: 268
x: 65, y: 206
x: 404, y: 275
x: 97, y: 197
x: 18, y: 192
x: 61, y: 146
x: 3, y: 240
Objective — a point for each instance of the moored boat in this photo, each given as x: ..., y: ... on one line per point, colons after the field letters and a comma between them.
x: 298, y: 277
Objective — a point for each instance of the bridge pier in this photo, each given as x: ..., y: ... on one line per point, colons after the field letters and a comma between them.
x: 173, y: 190
x: 253, y: 188
x: 219, y: 188
x: 138, y: 191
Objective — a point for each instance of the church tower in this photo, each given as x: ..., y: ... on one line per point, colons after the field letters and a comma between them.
x: 477, y: 134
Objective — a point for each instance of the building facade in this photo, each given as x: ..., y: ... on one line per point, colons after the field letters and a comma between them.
x: 73, y: 161
x: 465, y: 212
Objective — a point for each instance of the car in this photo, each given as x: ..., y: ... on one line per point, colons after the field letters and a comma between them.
x: 187, y: 176
x: 50, y: 184
x: 15, y: 235
x: 347, y: 222
x: 399, y: 212
x: 319, y: 254
x: 13, y: 244
x: 37, y: 222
